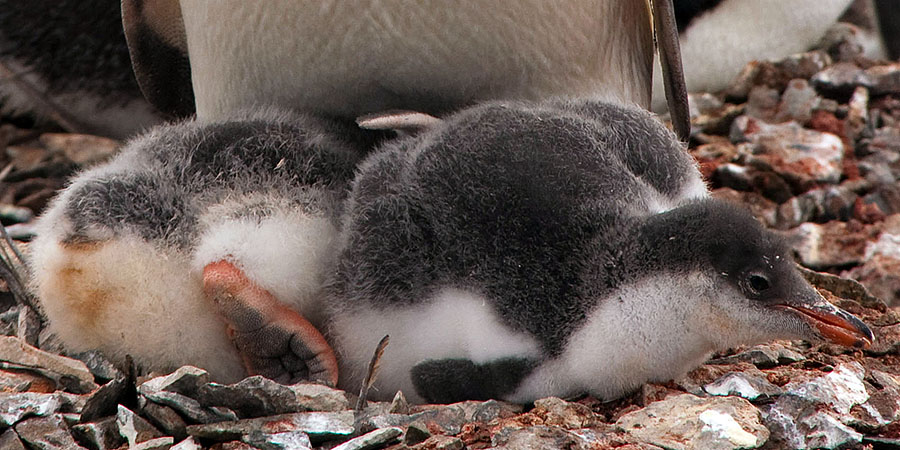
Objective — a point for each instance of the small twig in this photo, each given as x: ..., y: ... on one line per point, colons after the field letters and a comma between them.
x: 12, y: 245
x: 373, y: 371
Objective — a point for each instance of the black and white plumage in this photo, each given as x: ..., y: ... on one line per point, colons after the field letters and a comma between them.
x: 70, y: 56
x: 528, y: 250
x: 124, y: 255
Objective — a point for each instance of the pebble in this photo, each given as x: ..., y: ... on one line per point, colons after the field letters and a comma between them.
x: 688, y: 422
x: 163, y: 417
x: 807, y: 156
x: 100, y: 435
x: 372, y: 439
x: 9, y: 440
x: 47, y: 433
x: 743, y: 385
x: 103, y: 401
x: 763, y: 356
x: 190, y: 443
x: 134, y: 428
x: 318, y: 425
x: 257, y: 396
x: 291, y: 440
x: 73, y: 374
x: 186, y: 380
x: 188, y: 407
x: 561, y: 413
x: 16, y: 406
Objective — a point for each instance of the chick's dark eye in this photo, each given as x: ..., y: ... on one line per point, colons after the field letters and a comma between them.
x: 758, y: 283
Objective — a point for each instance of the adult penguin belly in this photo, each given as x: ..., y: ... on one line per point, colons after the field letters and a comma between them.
x: 349, y: 58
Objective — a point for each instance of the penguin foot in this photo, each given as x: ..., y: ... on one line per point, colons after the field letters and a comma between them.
x: 273, y: 340
x: 456, y: 379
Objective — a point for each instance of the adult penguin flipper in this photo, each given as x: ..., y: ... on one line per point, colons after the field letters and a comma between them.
x: 157, y: 43
x: 673, y: 73
x: 457, y: 379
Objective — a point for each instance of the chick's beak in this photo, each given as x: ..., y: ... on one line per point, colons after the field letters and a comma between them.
x: 834, y: 324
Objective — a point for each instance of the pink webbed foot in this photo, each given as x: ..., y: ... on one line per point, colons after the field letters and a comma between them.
x: 273, y: 340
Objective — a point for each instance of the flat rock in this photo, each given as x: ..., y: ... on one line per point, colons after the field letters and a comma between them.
x: 188, y: 407
x: 162, y: 443
x: 834, y: 244
x: 164, y: 418
x: 100, y: 367
x: 103, y: 401
x: 187, y: 380
x: 72, y: 372
x: 134, y: 428
x: 190, y: 443
x: 290, y: 440
x: 101, y: 435
x: 318, y: 425
x: 805, y: 156
x: 687, y: 422
x: 9, y: 440
x: 47, y: 433
x: 16, y: 406
x: 763, y: 356
x: 258, y: 396
x: 557, y: 412
x: 372, y: 440
x: 743, y: 385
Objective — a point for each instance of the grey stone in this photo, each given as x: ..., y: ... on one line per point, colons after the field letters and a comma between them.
x: 399, y: 405
x: 743, y: 385
x: 440, y: 442
x: 187, y: 380
x: 164, y: 418
x: 790, y: 150
x: 100, y: 435
x: 795, y: 423
x: 797, y: 102
x: 162, y: 443
x: 840, y: 78
x: 16, y: 406
x: 686, y: 422
x: 372, y: 439
x: 290, y: 440
x: 100, y: 367
x: 259, y: 396
x: 103, y: 401
x: 541, y: 437
x: 190, y: 443
x: 318, y: 425
x: 763, y: 356
x: 186, y: 406
x: 558, y: 412
x: 9, y: 440
x: 415, y: 433
x: 46, y: 433
x: 449, y: 418
x: 28, y: 326
x: 134, y: 428
x: 71, y: 373
x: 11, y: 381
x: 9, y: 321
x: 762, y: 103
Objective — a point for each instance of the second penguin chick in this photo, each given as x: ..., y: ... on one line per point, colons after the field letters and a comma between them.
x: 519, y: 251
x: 194, y: 223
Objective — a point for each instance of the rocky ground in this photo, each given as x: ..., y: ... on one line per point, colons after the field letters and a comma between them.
x: 811, y: 144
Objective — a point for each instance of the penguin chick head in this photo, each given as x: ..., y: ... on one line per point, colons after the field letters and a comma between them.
x: 756, y: 291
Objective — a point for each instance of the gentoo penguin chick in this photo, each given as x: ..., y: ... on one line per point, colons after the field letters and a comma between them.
x: 68, y: 60
x: 194, y: 223
x: 526, y: 250
x: 719, y: 37
x: 351, y: 58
